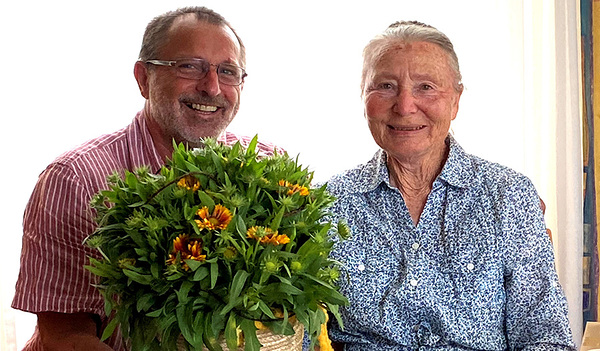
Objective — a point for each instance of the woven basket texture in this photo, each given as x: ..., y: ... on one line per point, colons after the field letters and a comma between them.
x: 271, y: 341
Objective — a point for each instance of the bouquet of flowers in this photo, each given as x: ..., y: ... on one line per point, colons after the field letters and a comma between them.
x: 220, y: 243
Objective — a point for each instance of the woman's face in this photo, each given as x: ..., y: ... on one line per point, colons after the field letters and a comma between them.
x: 410, y: 100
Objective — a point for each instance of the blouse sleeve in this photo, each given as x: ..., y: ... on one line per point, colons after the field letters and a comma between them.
x: 536, y: 307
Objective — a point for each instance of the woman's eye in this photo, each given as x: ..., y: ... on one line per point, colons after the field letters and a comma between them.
x: 426, y: 87
x: 385, y: 86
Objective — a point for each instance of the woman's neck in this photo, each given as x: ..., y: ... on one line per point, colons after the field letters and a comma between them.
x: 414, y: 178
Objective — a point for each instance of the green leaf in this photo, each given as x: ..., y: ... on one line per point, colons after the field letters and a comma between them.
x: 214, y: 274
x: 184, y: 313
x: 265, y: 309
x: 217, y: 162
x: 99, y: 272
x: 198, y: 326
x: 155, y: 314
x: 335, y: 310
x: 237, y: 284
x: 240, y: 226
x: 200, y: 274
x: 144, y: 279
x: 191, y: 167
x: 110, y: 328
x: 277, y: 220
x: 250, y: 339
x: 210, y: 338
x: 288, y: 289
x: 231, y: 332
x: 193, y: 264
x: 145, y: 302
x: 206, y: 200
x: 182, y: 293
x: 252, y: 146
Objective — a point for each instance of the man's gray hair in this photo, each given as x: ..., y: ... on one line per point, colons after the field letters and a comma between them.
x: 156, y: 35
x: 404, y: 32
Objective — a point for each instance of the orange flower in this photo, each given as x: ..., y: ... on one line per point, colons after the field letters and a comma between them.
x: 267, y: 236
x: 294, y: 188
x: 219, y: 219
x: 188, y: 249
x: 189, y: 182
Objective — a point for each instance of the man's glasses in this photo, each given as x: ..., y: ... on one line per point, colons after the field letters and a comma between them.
x: 194, y: 68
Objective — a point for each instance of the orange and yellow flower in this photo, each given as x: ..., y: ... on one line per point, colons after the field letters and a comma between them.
x: 219, y: 219
x: 188, y: 249
x: 267, y: 236
x: 189, y: 182
x: 294, y: 188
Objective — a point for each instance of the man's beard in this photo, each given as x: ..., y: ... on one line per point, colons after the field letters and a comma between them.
x: 170, y: 116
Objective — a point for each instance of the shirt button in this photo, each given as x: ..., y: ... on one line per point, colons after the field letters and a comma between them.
x: 414, y: 282
x: 361, y: 267
x: 470, y: 266
x: 415, y: 246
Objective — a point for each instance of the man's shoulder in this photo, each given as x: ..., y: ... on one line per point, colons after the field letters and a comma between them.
x: 103, y: 150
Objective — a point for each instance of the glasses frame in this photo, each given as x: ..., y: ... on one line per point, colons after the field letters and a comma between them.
x: 173, y: 63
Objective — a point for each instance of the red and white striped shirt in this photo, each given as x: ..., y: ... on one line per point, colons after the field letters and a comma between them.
x: 58, y: 218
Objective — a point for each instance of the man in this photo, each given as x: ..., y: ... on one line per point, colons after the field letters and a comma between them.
x: 191, y: 73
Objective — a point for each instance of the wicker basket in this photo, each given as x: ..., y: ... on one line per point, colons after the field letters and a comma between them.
x: 270, y: 341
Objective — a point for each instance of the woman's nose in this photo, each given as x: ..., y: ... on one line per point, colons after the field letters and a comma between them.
x: 405, y: 102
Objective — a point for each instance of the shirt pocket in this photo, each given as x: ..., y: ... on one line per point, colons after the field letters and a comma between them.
x: 369, y: 276
x: 371, y: 268
x: 474, y: 274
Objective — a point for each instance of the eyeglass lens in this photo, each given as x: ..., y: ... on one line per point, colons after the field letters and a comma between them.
x: 197, y: 69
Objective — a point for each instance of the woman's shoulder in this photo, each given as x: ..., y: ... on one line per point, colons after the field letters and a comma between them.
x: 358, y: 179
x: 498, y: 177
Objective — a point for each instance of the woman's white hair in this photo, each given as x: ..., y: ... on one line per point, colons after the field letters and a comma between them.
x: 404, y: 32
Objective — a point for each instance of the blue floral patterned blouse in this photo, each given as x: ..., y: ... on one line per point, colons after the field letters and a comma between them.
x: 476, y: 273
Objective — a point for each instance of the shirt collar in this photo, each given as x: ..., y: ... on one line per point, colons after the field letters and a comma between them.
x: 458, y: 170
x: 144, y: 138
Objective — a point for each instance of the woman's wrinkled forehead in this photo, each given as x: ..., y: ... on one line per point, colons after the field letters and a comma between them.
x: 422, y: 54
x: 417, y: 56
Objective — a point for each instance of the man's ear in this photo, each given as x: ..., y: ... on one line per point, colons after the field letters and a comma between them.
x: 140, y: 71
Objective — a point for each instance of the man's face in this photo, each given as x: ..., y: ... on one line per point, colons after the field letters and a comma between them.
x: 189, y: 109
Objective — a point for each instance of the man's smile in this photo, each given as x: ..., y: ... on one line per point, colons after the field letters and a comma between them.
x: 202, y: 108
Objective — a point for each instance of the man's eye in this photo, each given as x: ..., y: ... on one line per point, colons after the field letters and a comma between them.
x: 190, y: 67
x: 229, y: 71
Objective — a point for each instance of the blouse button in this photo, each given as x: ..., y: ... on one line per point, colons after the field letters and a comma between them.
x: 361, y: 267
x: 415, y: 246
x: 470, y: 266
x: 414, y: 282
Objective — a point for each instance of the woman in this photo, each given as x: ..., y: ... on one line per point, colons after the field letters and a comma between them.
x: 448, y: 251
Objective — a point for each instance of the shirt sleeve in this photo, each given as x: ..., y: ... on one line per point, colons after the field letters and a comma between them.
x: 536, y: 308
x: 57, y: 220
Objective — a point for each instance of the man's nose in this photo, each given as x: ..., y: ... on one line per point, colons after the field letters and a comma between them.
x: 210, y: 83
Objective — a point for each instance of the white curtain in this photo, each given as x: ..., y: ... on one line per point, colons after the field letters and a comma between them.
x: 551, y: 89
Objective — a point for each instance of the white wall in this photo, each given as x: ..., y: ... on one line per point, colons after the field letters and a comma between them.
x: 66, y: 76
